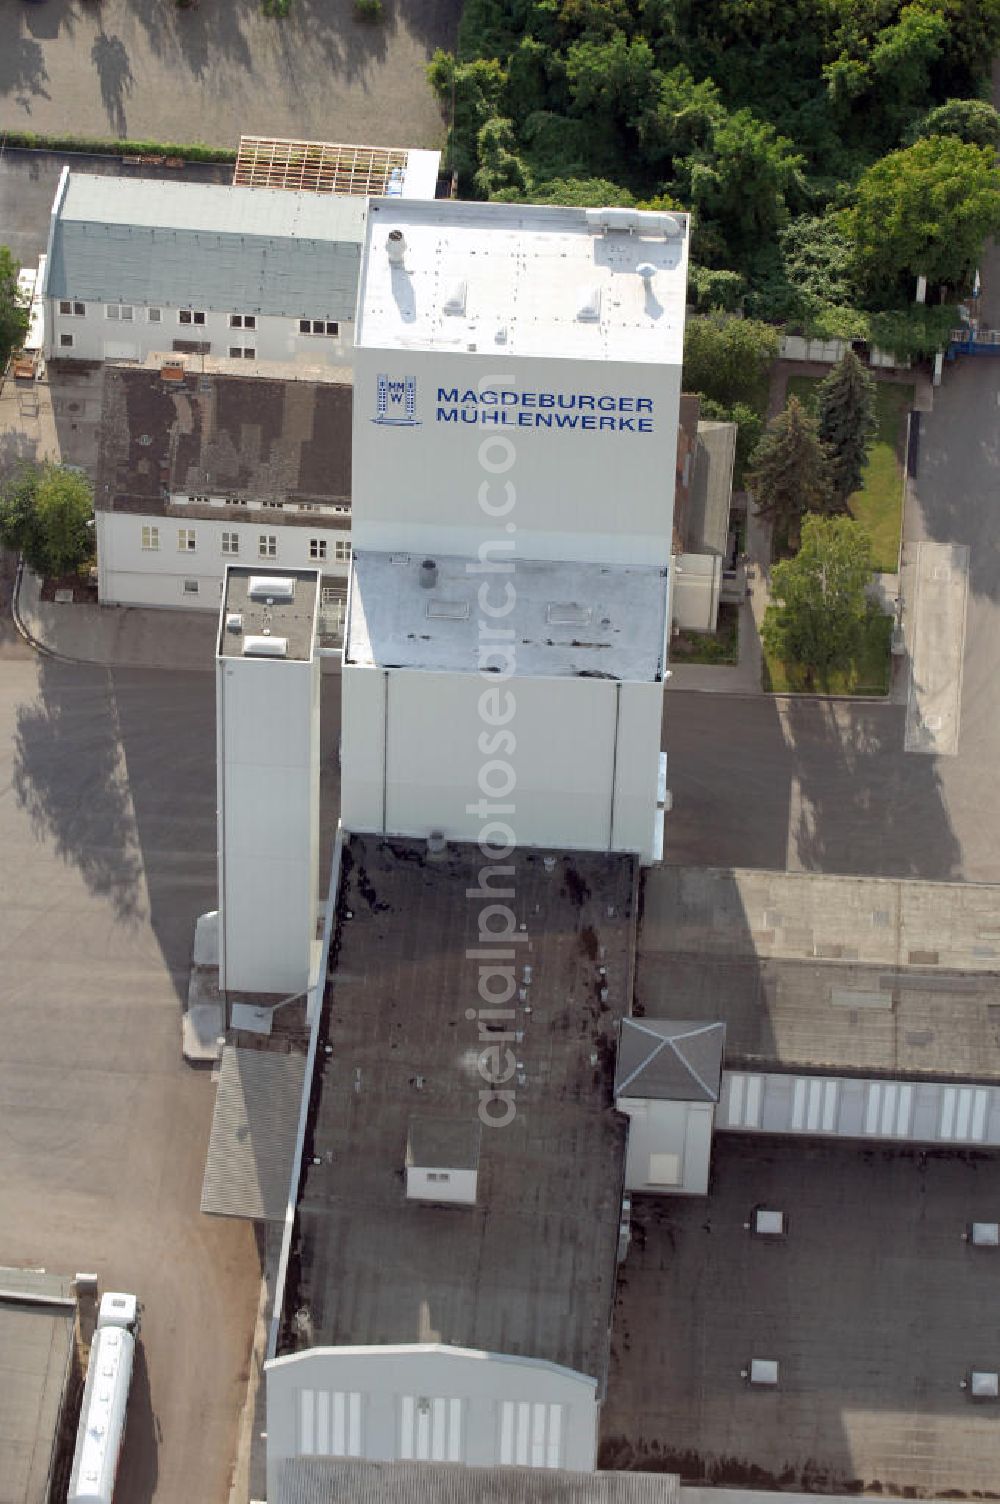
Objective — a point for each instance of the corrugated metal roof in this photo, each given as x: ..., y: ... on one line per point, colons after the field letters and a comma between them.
x: 332, y: 1480
x: 253, y: 1134
x: 669, y: 1060
x: 207, y: 245
x: 929, y: 1112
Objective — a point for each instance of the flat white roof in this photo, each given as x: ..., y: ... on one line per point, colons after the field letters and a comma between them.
x: 568, y: 619
x: 516, y: 279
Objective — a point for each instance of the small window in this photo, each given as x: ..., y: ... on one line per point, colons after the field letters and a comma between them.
x: 438, y: 1175
x: 150, y: 539
x: 230, y: 543
x: 235, y: 352
x: 249, y: 321
x: 65, y: 306
x: 249, y: 353
x: 236, y: 321
x: 273, y: 506
x: 122, y: 311
x: 152, y: 315
x: 317, y: 548
x: 332, y: 327
x: 73, y: 309
x: 305, y: 326
x: 186, y: 540
x: 65, y: 341
x: 190, y: 587
x: 342, y: 551
x: 190, y: 316
x: 79, y: 310
x: 267, y: 546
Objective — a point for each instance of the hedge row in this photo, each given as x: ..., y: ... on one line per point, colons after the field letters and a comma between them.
x: 192, y: 152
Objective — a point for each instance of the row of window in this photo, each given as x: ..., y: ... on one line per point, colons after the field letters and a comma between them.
x: 267, y: 544
x: 125, y: 313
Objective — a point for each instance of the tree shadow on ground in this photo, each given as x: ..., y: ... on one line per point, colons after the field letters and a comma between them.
x: 110, y: 58
x: 23, y: 72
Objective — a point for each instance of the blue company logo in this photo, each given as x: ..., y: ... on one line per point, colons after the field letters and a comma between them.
x: 396, y: 403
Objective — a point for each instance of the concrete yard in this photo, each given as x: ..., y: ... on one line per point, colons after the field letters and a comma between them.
x: 874, y: 1307
x: 206, y: 73
x: 843, y: 974
x: 529, y: 1269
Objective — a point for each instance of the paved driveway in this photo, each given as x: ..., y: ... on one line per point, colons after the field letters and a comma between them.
x: 154, y: 72
x: 106, y: 826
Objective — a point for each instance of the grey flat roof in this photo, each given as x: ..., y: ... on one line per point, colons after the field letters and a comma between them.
x: 36, y: 1350
x: 332, y: 1480
x: 294, y: 620
x: 567, y: 618
x: 529, y: 1270
x: 711, y: 488
x: 865, y: 976
x: 873, y: 1306
x: 205, y: 245
x: 252, y: 1143
x: 216, y: 435
x: 669, y: 1060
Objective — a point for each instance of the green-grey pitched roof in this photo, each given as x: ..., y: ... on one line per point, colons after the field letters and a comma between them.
x: 669, y: 1060
x: 206, y: 245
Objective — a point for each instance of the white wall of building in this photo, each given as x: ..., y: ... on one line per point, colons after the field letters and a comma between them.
x: 96, y: 336
x: 576, y: 492
x: 697, y: 582
x: 429, y: 1403
x: 418, y: 756
x: 267, y: 729
x: 454, y: 1187
x: 666, y: 1138
x: 132, y: 573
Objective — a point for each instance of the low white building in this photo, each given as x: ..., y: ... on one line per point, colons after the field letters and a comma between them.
x: 199, y: 469
x: 137, y: 266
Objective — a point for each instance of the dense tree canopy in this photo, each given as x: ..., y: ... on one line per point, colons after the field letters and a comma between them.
x: 765, y: 118
x: 821, y: 595
x: 45, y: 514
x: 13, y: 314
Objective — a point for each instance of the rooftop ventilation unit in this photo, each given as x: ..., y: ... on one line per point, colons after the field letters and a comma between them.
x: 428, y: 574
x: 767, y: 1224
x: 634, y: 222
x: 265, y: 647
x: 454, y: 303
x: 234, y: 621
x: 589, y: 311
x: 395, y: 247
x: 984, y: 1234
x: 272, y: 587
x: 763, y: 1371
x: 568, y: 614
x: 438, y: 610
x: 982, y: 1385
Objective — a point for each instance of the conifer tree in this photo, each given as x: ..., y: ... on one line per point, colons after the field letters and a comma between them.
x: 847, y: 425
x: 788, y: 471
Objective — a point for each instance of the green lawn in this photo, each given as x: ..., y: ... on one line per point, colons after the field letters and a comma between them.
x: 879, y: 503
x: 867, y: 675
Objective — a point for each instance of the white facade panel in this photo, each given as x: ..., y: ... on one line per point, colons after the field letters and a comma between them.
x: 669, y: 1146
x: 697, y: 580
x: 574, y: 765
x: 452, y: 450
x: 268, y: 734
x: 431, y: 1403
x: 131, y: 572
x: 95, y: 336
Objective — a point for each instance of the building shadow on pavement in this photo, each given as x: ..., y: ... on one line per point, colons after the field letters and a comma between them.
x: 804, y: 784
x: 139, y: 1470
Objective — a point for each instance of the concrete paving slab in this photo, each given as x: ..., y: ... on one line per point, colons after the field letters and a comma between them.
x: 201, y: 1027
x: 937, y: 626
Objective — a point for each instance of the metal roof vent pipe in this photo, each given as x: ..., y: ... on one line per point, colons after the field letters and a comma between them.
x: 395, y: 247
x: 428, y: 574
x: 437, y: 846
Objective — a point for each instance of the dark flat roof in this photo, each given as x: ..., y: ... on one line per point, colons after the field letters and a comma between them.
x: 528, y: 1271
x: 872, y: 1304
x: 293, y: 620
x: 212, y: 434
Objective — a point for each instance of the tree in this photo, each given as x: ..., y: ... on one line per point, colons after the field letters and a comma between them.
x: 925, y: 210
x: 13, y: 313
x: 847, y: 424
x: 728, y: 359
x: 972, y: 120
x: 742, y: 181
x: 822, y: 605
x: 788, y: 470
x: 46, y: 514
